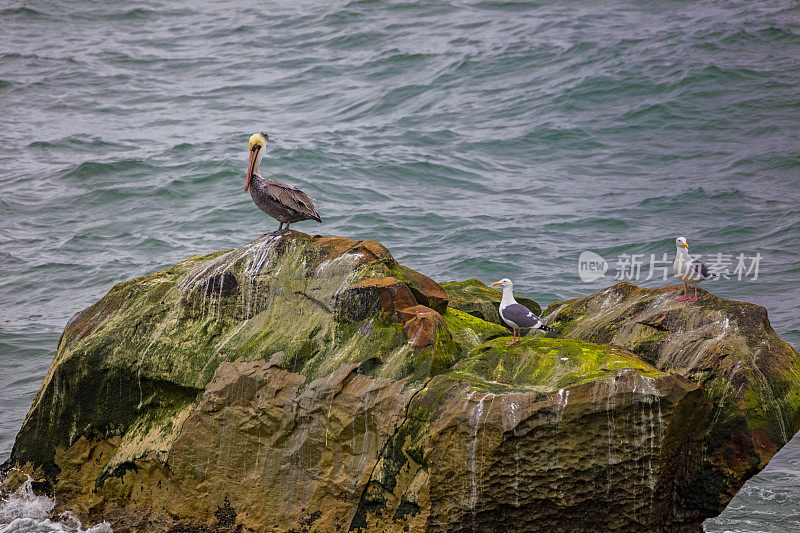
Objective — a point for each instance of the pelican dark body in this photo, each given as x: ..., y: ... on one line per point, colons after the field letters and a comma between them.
x: 283, y: 202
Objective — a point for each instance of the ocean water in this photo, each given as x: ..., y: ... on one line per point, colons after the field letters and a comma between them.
x: 474, y: 138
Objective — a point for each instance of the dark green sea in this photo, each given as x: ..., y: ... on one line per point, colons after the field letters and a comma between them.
x: 473, y: 138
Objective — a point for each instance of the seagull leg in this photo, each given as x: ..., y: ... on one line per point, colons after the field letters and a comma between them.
x: 513, y: 336
x: 683, y: 296
x: 695, y: 294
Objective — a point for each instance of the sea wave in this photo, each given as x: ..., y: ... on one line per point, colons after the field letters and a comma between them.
x: 24, y: 511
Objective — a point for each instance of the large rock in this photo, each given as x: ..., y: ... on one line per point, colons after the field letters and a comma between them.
x: 750, y: 375
x: 310, y: 383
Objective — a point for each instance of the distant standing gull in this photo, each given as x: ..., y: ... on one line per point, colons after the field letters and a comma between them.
x: 688, y: 270
x: 281, y: 201
x: 517, y: 315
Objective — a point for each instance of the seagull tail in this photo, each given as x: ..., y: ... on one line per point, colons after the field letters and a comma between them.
x: 544, y: 328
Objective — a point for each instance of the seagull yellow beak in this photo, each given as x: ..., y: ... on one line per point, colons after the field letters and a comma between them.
x: 496, y: 283
x: 686, y: 244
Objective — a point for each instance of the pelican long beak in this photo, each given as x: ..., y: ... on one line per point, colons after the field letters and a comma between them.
x: 251, y: 166
x: 496, y: 283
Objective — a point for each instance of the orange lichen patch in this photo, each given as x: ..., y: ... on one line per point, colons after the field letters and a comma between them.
x: 425, y: 290
x: 421, y: 325
x: 335, y: 246
x: 376, y: 249
x: 412, y: 312
x: 333, y: 243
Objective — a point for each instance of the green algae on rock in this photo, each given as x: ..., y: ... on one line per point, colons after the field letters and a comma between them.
x: 549, y: 364
x: 470, y: 331
x: 313, y: 383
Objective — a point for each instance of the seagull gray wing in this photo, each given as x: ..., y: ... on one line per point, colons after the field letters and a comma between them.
x: 699, y: 270
x: 519, y: 316
x: 292, y: 198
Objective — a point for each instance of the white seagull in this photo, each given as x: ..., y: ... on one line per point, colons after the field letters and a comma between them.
x: 688, y: 270
x: 517, y: 315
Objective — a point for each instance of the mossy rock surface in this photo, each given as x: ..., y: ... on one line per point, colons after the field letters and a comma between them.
x: 470, y: 331
x: 546, y: 364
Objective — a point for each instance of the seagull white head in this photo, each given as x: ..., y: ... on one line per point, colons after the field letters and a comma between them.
x: 681, y: 242
x: 505, y: 282
x: 256, y: 147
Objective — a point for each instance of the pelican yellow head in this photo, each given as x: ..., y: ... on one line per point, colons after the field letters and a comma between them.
x: 256, y: 147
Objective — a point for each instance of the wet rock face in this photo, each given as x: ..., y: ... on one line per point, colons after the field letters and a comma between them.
x: 751, y: 376
x: 548, y: 434
x: 281, y: 448
x: 425, y: 290
x: 312, y: 383
x: 544, y: 459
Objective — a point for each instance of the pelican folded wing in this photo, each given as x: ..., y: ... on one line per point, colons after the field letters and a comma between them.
x: 292, y: 198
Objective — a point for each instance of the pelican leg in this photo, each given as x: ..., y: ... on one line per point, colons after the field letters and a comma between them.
x: 685, y: 294
x: 694, y: 299
x: 287, y: 226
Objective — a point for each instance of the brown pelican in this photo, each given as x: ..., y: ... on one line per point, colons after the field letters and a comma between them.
x: 281, y: 201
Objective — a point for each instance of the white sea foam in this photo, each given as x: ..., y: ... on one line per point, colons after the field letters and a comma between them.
x: 27, y: 512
